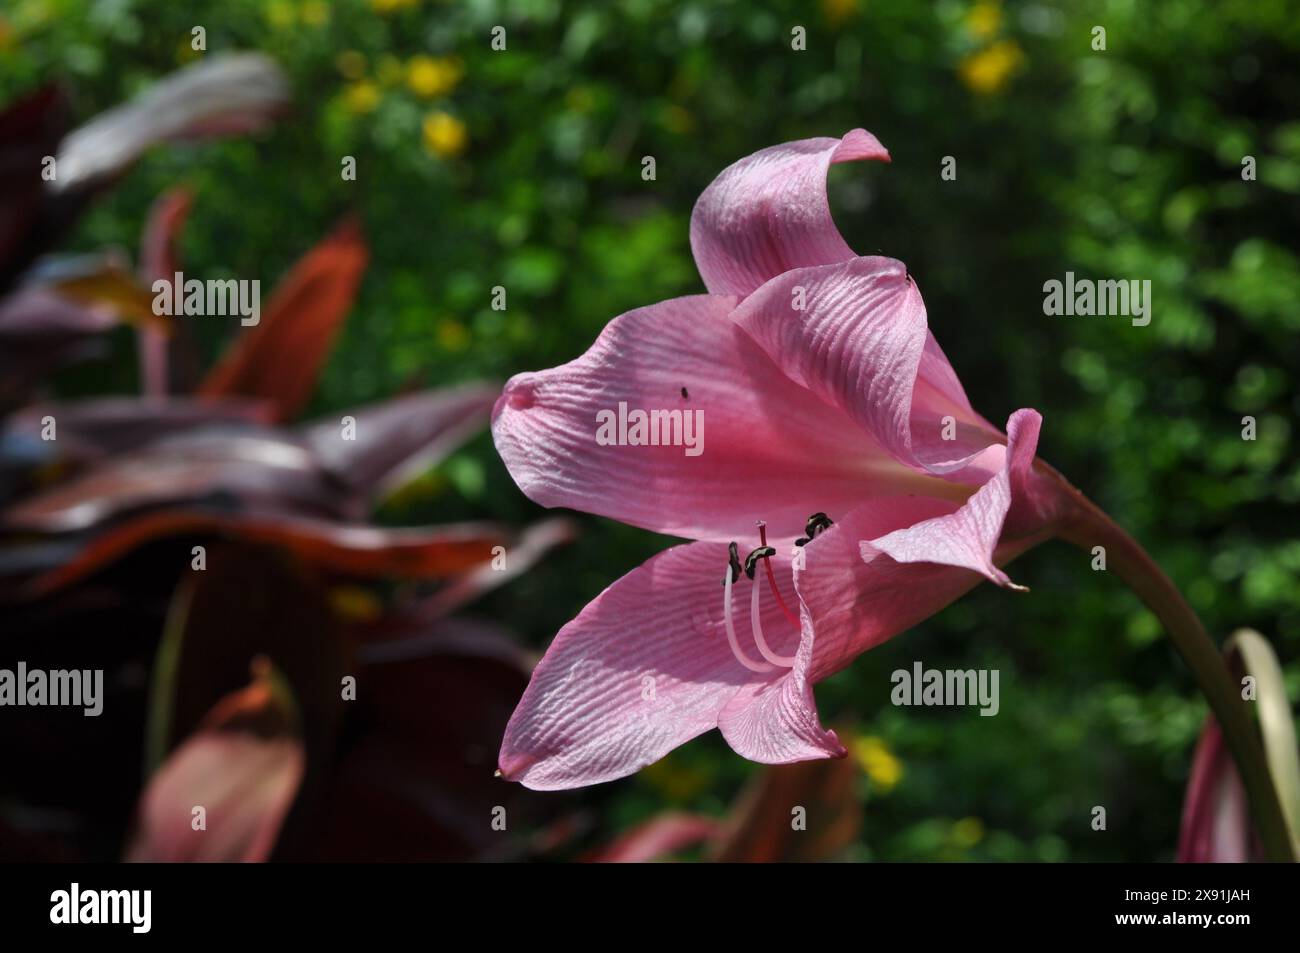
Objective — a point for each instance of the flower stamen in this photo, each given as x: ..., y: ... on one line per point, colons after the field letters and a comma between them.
x: 736, y: 650
x: 755, y: 623
x: 771, y: 580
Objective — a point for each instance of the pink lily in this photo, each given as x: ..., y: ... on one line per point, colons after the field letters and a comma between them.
x: 823, y: 392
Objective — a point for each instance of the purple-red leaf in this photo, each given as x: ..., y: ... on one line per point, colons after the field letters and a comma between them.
x: 658, y: 838
x: 348, y: 550
x: 224, y: 94
x: 396, y: 439
x: 280, y: 358
x: 242, y: 769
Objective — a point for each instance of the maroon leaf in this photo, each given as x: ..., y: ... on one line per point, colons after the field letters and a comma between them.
x: 40, y: 330
x: 348, y: 550
x: 224, y: 94
x: 242, y: 768
x: 94, y: 428
x: 418, y: 784
x: 759, y: 828
x: 159, y: 259
x: 30, y: 220
x: 248, y: 468
x: 396, y: 439
x: 280, y: 358
x: 657, y: 839
x: 534, y: 543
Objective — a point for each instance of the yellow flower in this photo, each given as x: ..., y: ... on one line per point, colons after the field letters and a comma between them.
x: 280, y: 13
x: 315, y: 12
x: 878, y: 762
x: 361, y: 97
x: 354, y: 603
x: 351, y: 64
x: 444, y: 134
x: 988, y: 71
x: 837, y: 11
x: 452, y: 335
x: 983, y: 19
x: 968, y: 832
x: 430, y: 76
x: 385, y: 7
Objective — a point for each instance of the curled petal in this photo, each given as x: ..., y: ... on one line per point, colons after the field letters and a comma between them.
x: 855, y: 334
x: 968, y: 537
x: 776, y: 722
x: 851, y: 605
x: 768, y: 213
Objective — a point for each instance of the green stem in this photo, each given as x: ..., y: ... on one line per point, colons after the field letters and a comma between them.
x: 1087, y: 526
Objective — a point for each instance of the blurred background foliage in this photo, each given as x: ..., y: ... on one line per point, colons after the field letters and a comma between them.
x: 522, y: 168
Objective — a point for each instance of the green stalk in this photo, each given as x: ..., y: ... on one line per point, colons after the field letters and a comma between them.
x: 1087, y: 526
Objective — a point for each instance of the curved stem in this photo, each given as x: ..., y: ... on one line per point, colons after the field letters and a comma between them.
x: 1087, y: 526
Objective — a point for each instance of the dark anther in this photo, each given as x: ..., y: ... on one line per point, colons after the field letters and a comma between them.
x: 733, y: 562
x: 686, y: 393
x: 751, y: 561
x: 817, y: 523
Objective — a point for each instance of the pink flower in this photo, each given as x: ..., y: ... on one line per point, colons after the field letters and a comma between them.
x: 821, y: 391
x: 1216, y: 826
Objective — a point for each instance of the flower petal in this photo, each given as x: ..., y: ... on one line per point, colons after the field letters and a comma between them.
x: 1216, y: 825
x: 776, y: 722
x: 852, y: 605
x: 968, y: 537
x: 644, y: 668
x: 855, y: 334
x: 768, y: 213
x: 770, y: 449
x: 846, y: 607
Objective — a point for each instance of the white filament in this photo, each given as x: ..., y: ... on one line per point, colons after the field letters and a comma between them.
x: 755, y: 622
x: 736, y: 650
